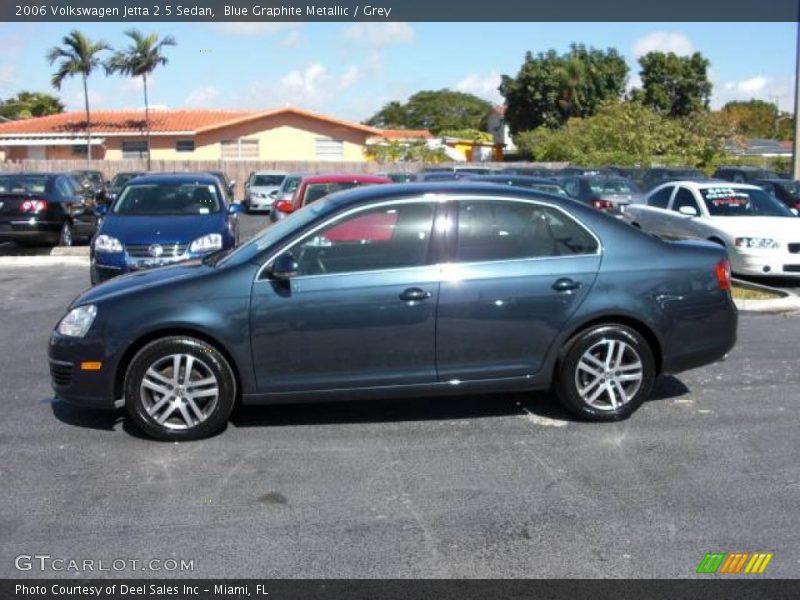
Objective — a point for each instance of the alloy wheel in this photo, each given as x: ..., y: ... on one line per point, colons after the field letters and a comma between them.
x: 609, y: 374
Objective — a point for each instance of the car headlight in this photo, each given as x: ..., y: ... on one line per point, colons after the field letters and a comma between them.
x: 78, y: 321
x: 756, y: 242
x: 107, y: 244
x: 207, y: 243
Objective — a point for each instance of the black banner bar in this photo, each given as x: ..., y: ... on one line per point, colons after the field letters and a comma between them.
x: 399, y: 10
x: 712, y: 588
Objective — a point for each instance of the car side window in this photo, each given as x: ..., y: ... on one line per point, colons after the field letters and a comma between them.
x: 497, y: 230
x: 661, y: 198
x: 685, y: 198
x: 63, y: 188
x: 383, y: 237
x: 572, y: 187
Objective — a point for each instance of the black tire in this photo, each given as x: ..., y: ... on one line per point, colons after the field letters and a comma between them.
x: 67, y: 235
x: 593, y: 342
x: 93, y: 275
x: 207, y: 361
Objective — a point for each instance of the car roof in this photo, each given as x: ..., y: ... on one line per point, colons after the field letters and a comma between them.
x: 270, y: 173
x: 177, y: 178
x: 510, y: 177
x: 343, y: 177
x: 37, y: 173
x: 704, y: 185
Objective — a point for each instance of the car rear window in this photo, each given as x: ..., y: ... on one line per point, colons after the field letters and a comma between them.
x: 611, y: 187
x: 168, y: 199
x: 742, y: 202
x: 317, y: 191
x: 264, y: 180
x: 23, y: 184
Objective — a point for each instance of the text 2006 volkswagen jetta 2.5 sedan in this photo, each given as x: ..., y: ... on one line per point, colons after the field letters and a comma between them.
x: 401, y: 290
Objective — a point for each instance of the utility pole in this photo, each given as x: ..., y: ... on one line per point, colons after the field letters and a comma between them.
x: 796, y: 140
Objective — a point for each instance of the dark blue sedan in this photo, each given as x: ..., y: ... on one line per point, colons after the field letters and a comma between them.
x: 161, y: 219
x: 401, y: 290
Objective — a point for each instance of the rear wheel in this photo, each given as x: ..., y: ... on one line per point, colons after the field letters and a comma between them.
x: 66, y: 237
x: 179, y: 388
x: 606, y: 373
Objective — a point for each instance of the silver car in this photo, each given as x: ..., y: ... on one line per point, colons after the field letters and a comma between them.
x: 261, y: 188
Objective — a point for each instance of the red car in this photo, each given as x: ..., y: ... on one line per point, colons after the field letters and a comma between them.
x: 315, y: 187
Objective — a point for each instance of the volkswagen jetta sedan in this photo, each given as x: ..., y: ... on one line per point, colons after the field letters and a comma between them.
x: 401, y: 290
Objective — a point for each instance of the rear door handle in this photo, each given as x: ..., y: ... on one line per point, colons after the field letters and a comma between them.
x: 565, y: 284
x: 414, y: 293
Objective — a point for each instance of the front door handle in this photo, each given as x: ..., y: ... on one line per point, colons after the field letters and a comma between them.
x: 414, y: 293
x: 565, y: 284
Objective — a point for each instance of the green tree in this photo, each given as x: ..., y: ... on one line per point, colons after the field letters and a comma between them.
x: 30, y: 104
x: 395, y: 151
x: 435, y: 110
x: 674, y: 85
x: 758, y: 119
x: 140, y: 59
x: 78, y: 56
x: 551, y: 88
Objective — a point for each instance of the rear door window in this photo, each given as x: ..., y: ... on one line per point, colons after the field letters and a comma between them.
x: 661, y: 198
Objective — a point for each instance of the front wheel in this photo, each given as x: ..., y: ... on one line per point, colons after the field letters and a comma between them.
x: 179, y: 388
x: 606, y: 373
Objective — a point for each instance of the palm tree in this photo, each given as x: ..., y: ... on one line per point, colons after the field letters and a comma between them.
x: 78, y: 56
x: 140, y: 59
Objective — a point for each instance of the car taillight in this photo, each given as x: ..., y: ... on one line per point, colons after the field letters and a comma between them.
x: 285, y: 206
x: 723, y: 273
x: 601, y: 204
x: 34, y: 206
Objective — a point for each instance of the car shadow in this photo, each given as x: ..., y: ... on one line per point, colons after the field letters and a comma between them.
x: 446, y: 408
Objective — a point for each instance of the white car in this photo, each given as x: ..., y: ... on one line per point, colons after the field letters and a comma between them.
x: 261, y: 188
x: 762, y: 235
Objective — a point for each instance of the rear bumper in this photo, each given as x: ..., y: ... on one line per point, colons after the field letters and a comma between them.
x: 708, y: 341
x: 30, y: 231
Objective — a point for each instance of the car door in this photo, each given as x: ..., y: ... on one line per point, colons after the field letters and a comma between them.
x: 651, y: 216
x: 684, y: 226
x: 517, y: 271
x: 360, y: 312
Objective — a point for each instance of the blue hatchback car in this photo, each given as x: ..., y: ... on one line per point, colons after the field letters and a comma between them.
x: 162, y: 219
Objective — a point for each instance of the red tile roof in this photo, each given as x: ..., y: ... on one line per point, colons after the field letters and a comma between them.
x: 499, y: 109
x: 111, y: 122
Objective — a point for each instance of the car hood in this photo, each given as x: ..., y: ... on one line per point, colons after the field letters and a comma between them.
x: 264, y: 189
x: 152, y: 230
x: 785, y: 229
x: 145, y: 279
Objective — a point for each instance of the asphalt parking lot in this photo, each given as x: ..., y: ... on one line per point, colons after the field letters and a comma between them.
x: 489, y: 486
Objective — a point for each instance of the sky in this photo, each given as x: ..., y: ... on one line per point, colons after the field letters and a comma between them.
x: 350, y: 70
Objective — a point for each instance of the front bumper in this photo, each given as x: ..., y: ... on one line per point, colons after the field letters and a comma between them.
x: 260, y: 204
x: 107, y: 266
x: 767, y: 263
x: 71, y: 383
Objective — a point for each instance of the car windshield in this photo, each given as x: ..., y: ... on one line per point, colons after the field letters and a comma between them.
x: 168, y: 199
x: 268, y: 180
x: 23, y: 184
x: 613, y: 187
x: 290, y: 184
x: 742, y: 202
x: 791, y: 187
x: 316, y: 191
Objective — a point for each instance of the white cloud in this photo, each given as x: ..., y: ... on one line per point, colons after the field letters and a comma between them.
x: 74, y: 101
x: 202, y: 97
x: 135, y: 85
x: 250, y: 28
x: 380, y: 34
x: 482, y: 85
x: 292, y: 40
x: 663, y: 41
x: 313, y: 87
x: 760, y: 87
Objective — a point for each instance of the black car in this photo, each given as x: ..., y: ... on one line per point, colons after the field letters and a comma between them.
x: 608, y: 193
x: 118, y: 182
x: 94, y: 181
x: 541, y: 184
x: 438, y: 176
x: 785, y: 190
x: 45, y: 208
x: 744, y: 174
x: 529, y: 171
x: 396, y: 291
x: 658, y: 175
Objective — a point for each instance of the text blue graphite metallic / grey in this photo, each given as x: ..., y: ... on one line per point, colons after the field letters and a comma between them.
x: 401, y: 290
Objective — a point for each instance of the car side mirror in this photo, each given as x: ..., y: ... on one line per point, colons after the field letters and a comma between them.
x: 234, y: 209
x: 273, y: 194
x: 689, y: 211
x: 284, y: 267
